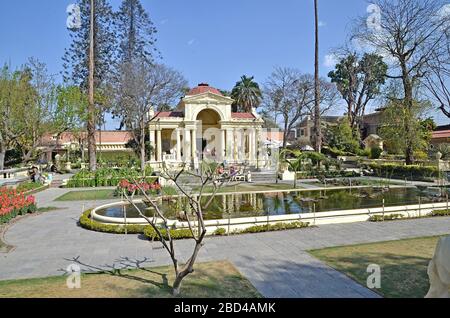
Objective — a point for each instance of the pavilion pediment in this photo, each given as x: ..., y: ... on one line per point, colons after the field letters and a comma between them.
x: 208, y: 98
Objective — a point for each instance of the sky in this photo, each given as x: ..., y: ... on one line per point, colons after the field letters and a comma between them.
x: 208, y: 41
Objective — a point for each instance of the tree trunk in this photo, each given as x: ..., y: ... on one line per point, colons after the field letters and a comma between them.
x: 317, y: 124
x: 143, y: 148
x: 2, y: 157
x: 188, y: 269
x: 408, y: 104
x: 91, y: 111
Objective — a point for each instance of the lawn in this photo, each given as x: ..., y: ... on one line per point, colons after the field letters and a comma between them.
x: 403, y: 264
x: 88, y: 195
x: 210, y: 280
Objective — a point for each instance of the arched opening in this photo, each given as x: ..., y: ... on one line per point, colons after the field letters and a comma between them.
x: 209, y: 121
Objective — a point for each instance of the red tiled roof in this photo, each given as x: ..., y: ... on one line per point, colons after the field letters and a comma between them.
x: 441, y: 134
x: 203, y: 88
x: 242, y: 116
x: 170, y: 115
x: 119, y: 137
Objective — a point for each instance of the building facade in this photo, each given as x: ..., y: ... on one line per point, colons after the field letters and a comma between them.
x: 204, y: 127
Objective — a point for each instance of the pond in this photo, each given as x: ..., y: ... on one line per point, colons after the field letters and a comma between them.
x: 280, y: 203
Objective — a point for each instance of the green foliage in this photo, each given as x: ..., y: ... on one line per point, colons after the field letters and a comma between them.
x: 16, y: 212
x: 181, y: 234
x: 275, y: 227
x: 400, y: 171
x: 86, y: 223
x: 382, y: 218
x: 375, y: 153
x: 246, y: 94
x: 342, y: 137
x: 440, y: 213
x: 359, y: 80
x: 402, y: 127
x: 220, y: 232
x: 104, y: 177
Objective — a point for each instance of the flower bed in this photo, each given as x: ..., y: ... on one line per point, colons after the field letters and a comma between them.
x: 14, y: 203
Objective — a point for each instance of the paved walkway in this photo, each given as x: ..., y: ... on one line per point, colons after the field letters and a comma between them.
x: 276, y: 263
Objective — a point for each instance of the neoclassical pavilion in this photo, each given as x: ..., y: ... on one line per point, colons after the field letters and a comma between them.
x: 204, y: 126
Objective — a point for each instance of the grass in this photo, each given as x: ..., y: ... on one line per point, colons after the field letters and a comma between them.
x: 210, y: 280
x: 88, y: 195
x: 48, y: 209
x: 403, y: 264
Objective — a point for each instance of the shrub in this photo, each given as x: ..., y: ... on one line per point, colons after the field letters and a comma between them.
x: 375, y: 153
x: 381, y: 218
x: 275, y: 227
x: 220, y: 232
x: 104, y: 177
x: 440, y: 213
x: 400, y: 171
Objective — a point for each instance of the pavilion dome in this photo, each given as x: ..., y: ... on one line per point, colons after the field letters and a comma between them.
x: 204, y: 88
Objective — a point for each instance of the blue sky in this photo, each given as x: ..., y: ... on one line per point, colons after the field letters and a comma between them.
x: 208, y: 41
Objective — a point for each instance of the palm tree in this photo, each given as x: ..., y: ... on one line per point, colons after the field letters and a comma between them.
x: 246, y: 94
x: 317, y: 128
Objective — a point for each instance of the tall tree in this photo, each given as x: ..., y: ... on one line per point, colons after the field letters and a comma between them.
x: 246, y: 94
x: 290, y: 94
x: 359, y: 81
x: 317, y: 124
x: 39, y: 115
x: 91, y: 122
x: 409, y: 33
x: 136, y: 36
x: 89, y: 60
x: 136, y: 33
x: 16, y: 96
x: 146, y: 87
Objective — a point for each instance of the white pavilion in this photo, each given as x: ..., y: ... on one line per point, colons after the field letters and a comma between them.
x: 204, y: 126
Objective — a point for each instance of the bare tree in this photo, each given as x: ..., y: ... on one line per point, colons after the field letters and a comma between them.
x: 407, y: 33
x: 140, y: 88
x: 438, y: 80
x: 291, y: 94
x: 206, y: 177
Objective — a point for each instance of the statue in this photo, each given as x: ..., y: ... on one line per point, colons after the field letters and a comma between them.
x: 439, y: 271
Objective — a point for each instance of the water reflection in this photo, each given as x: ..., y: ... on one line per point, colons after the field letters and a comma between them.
x: 279, y: 203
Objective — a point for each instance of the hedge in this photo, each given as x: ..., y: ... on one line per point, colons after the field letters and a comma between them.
x: 177, y: 234
x: 105, y: 177
x: 413, y: 172
x: 382, y: 218
x: 440, y: 213
x: 264, y: 228
x: 147, y: 230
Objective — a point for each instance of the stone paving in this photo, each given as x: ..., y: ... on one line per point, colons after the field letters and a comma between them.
x: 276, y: 263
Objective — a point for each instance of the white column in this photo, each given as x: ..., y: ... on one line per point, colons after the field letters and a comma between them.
x: 153, y: 144
x: 223, y: 146
x: 230, y: 144
x: 178, y: 132
x: 194, y: 144
x: 187, y: 145
x: 159, y: 145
